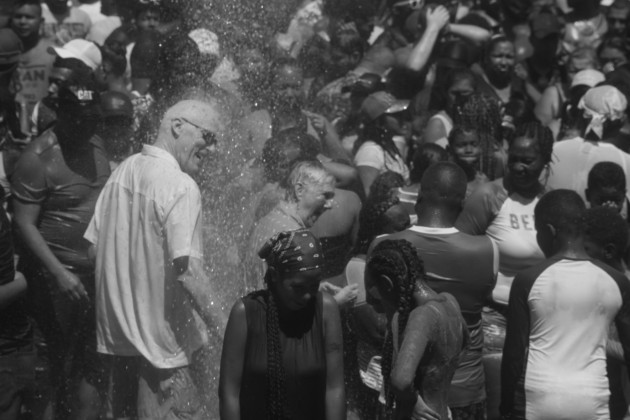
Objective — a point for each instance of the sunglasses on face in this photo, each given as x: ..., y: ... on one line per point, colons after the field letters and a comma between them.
x: 208, y: 136
x: 413, y: 4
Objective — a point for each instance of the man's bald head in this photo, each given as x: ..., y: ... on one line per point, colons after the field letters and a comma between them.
x: 189, y: 131
x: 206, y: 115
x: 443, y: 183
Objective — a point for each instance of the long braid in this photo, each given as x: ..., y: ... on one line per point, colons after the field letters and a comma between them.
x: 398, y: 259
x: 276, y: 379
x: 370, y: 221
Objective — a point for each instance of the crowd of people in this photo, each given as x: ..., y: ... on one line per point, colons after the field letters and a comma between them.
x: 422, y: 204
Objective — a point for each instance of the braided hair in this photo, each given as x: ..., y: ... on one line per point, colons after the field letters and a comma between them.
x: 543, y: 136
x: 483, y: 113
x: 370, y: 221
x: 277, y: 407
x: 400, y: 260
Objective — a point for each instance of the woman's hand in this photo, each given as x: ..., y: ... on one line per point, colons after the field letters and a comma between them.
x: 70, y: 286
x: 421, y: 411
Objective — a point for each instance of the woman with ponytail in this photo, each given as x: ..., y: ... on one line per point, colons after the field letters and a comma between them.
x: 426, y: 332
x: 282, y: 353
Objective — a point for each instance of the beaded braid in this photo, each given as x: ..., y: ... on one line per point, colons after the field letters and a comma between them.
x: 543, y: 136
x: 484, y: 114
x: 276, y: 379
x: 405, y: 269
x: 370, y: 221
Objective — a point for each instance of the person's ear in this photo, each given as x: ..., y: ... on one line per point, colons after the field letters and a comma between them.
x: 299, y: 190
x: 386, y: 282
x: 176, y: 127
x: 610, y: 252
x: 552, y: 229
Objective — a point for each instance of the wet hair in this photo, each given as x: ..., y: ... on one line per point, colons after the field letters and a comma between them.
x: 562, y: 209
x: 606, y: 174
x: 383, y: 185
x: 371, y: 221
x: 18, y: 4
x: 444, y: 183
x: 483, y: 113
x: 493, y: 42
x: 400, y: 260
x: 424, y: 157
x: 118, y: 61
x: 146, y: 6
x: 348, y: 41
x: 605, y: 226
x: 444, y: 81
x: 543, y: 136
x: 276, y: 166
x: 614, y: 42
x: 459, y: 131
x: 305, y: 172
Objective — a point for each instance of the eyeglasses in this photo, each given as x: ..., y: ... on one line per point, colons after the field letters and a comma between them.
x: 208, y: 136
x: 413, y: 4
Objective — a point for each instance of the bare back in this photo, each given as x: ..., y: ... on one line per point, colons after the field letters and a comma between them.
x: 429, y: 351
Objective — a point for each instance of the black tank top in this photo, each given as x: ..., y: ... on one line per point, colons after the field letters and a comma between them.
x: 303, y: 354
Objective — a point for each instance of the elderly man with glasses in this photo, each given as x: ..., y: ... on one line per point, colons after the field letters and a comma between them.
x: 152, y: 292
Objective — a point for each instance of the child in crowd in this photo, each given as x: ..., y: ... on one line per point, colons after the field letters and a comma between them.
x: 463, y: 146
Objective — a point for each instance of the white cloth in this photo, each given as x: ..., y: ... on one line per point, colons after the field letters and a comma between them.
x: 573, y: 160
x: 94, y: 11
x: 372, y: 155
x: 148, y: 214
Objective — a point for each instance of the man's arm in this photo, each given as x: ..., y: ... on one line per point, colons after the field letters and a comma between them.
x: 202, y: 292
x: 11, y: 291
x: 333, y: 342
x: 622, y: 320
x: 516, y: 343
x: 436, y: 20
x: 26, y: 216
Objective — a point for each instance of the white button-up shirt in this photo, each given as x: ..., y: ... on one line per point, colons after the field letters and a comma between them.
x: 148, y: 215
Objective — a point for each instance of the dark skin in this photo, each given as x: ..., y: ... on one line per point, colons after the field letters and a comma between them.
x: 525, y: 164
x: 293, y: 293
x: 428, y: 351
x: 75, y: 147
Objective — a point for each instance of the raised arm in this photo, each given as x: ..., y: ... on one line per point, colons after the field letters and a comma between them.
x: 333, y: 341
x: 232, y: 361
x: 436, y: 20
x: 474, y: 33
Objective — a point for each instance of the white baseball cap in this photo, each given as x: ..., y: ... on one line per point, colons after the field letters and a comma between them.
x: 80, y: 49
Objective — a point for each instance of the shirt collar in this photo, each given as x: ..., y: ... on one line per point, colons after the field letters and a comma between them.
x: 159, y: 153
x: 434, y: 230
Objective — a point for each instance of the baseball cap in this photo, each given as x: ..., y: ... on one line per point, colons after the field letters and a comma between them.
x: 81, y: 49
x: 116, y: 104
x: 380, y: 103
x: 10, y: 47
x: 588, y: 77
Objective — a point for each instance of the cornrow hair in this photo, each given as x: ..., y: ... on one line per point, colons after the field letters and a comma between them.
x: 370, y: 221
x: 405, y: 269
x: 276, y: 378
x: 483, y: 113
x: 544, y: 138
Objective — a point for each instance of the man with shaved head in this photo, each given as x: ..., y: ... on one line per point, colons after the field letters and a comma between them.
x: 151, y: 288
x: 457, y: 263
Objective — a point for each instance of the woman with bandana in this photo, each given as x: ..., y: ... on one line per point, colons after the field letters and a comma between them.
x: 282, y: 353
x: 603, y: 111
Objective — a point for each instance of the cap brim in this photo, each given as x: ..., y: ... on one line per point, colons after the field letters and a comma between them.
x: 399, y: 105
